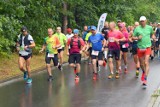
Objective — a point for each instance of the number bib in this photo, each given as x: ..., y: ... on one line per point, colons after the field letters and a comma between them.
x: 126, y: 45
x: 95, y: 53
x: 111, y: 39
x: 50, y: 55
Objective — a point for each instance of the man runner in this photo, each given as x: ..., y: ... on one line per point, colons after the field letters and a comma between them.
x: 142, y: 34
x: 114, y: 37
x: 76, y: 48
x: 51, y: 44
x: 62, y: 38
x: 98, y: 43
x: 24, y: 44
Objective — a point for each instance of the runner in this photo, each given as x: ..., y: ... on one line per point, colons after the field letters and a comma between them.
x: 105, y: 34
x: 158, y: 42
x: 69, y: 33
x: 63, y: 41
x: 90, y: 47
x: 114, y: 37
x: 142, y: 34
x: 84, y: 33
x: 96, y: 40
x: 134, y: 49
x: 24, y: 44
x: 76, y: 48
x: 124, y: 45
x: 51, y: 44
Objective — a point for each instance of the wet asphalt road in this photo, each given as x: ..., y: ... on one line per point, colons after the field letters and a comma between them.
x: 63, y: 92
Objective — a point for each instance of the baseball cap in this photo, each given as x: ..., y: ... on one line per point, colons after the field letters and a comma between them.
x: 93, y: 28
x: 89, y: 28
x: 119, y: 21
x: 69, y: 30
x: 76, y: 31
x: 23, y: 29
x: 158, y: 23
x: 142, y: 18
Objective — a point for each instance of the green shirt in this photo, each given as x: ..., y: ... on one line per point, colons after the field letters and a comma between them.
x: 62, y: 38
x: 146, y: 33
x: 50, y: 42
x: 87, y: 36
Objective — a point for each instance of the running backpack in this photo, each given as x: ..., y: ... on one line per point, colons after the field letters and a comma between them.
x: 72, y: 40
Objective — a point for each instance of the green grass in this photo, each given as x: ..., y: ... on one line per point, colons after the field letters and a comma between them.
x: 9, y: 67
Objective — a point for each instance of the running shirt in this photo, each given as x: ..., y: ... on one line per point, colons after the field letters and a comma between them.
x: 62, y: 38
x: 112, y: 45
x: 126, y: 35
x: 69, y: 35
x: 75, y: 49
x: 50, y: 42
x: 145, y: 32
x: 22, y: 51
x: 96, y: 41
x: 84, y: 35
x: 105, y: 32
x: 87, y: 36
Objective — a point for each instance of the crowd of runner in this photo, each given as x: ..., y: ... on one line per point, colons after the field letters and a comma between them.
x: 111, y: 45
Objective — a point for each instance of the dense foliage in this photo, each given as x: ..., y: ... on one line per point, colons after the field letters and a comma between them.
x: 38, y: 15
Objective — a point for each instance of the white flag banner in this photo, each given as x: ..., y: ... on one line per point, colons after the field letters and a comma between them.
x: 101, y: 22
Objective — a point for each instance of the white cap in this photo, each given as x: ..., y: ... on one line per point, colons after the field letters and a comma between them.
x: 142, y: 18
x: 158, y: 23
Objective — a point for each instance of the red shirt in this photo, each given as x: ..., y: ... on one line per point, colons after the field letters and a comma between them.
x: 75, y: 48
x: 112, y: 45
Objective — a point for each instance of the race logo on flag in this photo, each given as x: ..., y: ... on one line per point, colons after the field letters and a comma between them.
x: 101, y: 22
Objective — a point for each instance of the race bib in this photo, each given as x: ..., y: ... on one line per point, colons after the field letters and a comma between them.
x: 111, y: 39
x: 50, y: 55
x: 60, y: 47
x: 95, y: 53
x: 156, y: 39
x: 126, y: 45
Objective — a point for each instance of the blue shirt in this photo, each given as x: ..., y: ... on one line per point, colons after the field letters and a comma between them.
x: 96, y: 41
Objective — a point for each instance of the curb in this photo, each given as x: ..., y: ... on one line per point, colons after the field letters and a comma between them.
x: 155, y: 99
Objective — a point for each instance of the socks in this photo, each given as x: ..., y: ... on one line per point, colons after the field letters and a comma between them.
x: 105, y: 54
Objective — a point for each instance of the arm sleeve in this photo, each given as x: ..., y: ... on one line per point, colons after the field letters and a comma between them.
x: 30, y: 38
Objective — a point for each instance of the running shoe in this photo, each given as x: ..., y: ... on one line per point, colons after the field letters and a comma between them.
x: 137, y: 73
x: 144, y: 84
x: 95, y: 76
x: 50, y: 78
x: 77, y: 78
x: 25, y: 75
x: 125, y: 71
x: 143, y: 76
x: 60, y: 67
x: 29, y: 81
x: 104, y: 63
x: 110, y: 76
x: 117, y: 75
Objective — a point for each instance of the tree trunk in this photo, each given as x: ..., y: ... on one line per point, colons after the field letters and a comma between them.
x: 65, y: 19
